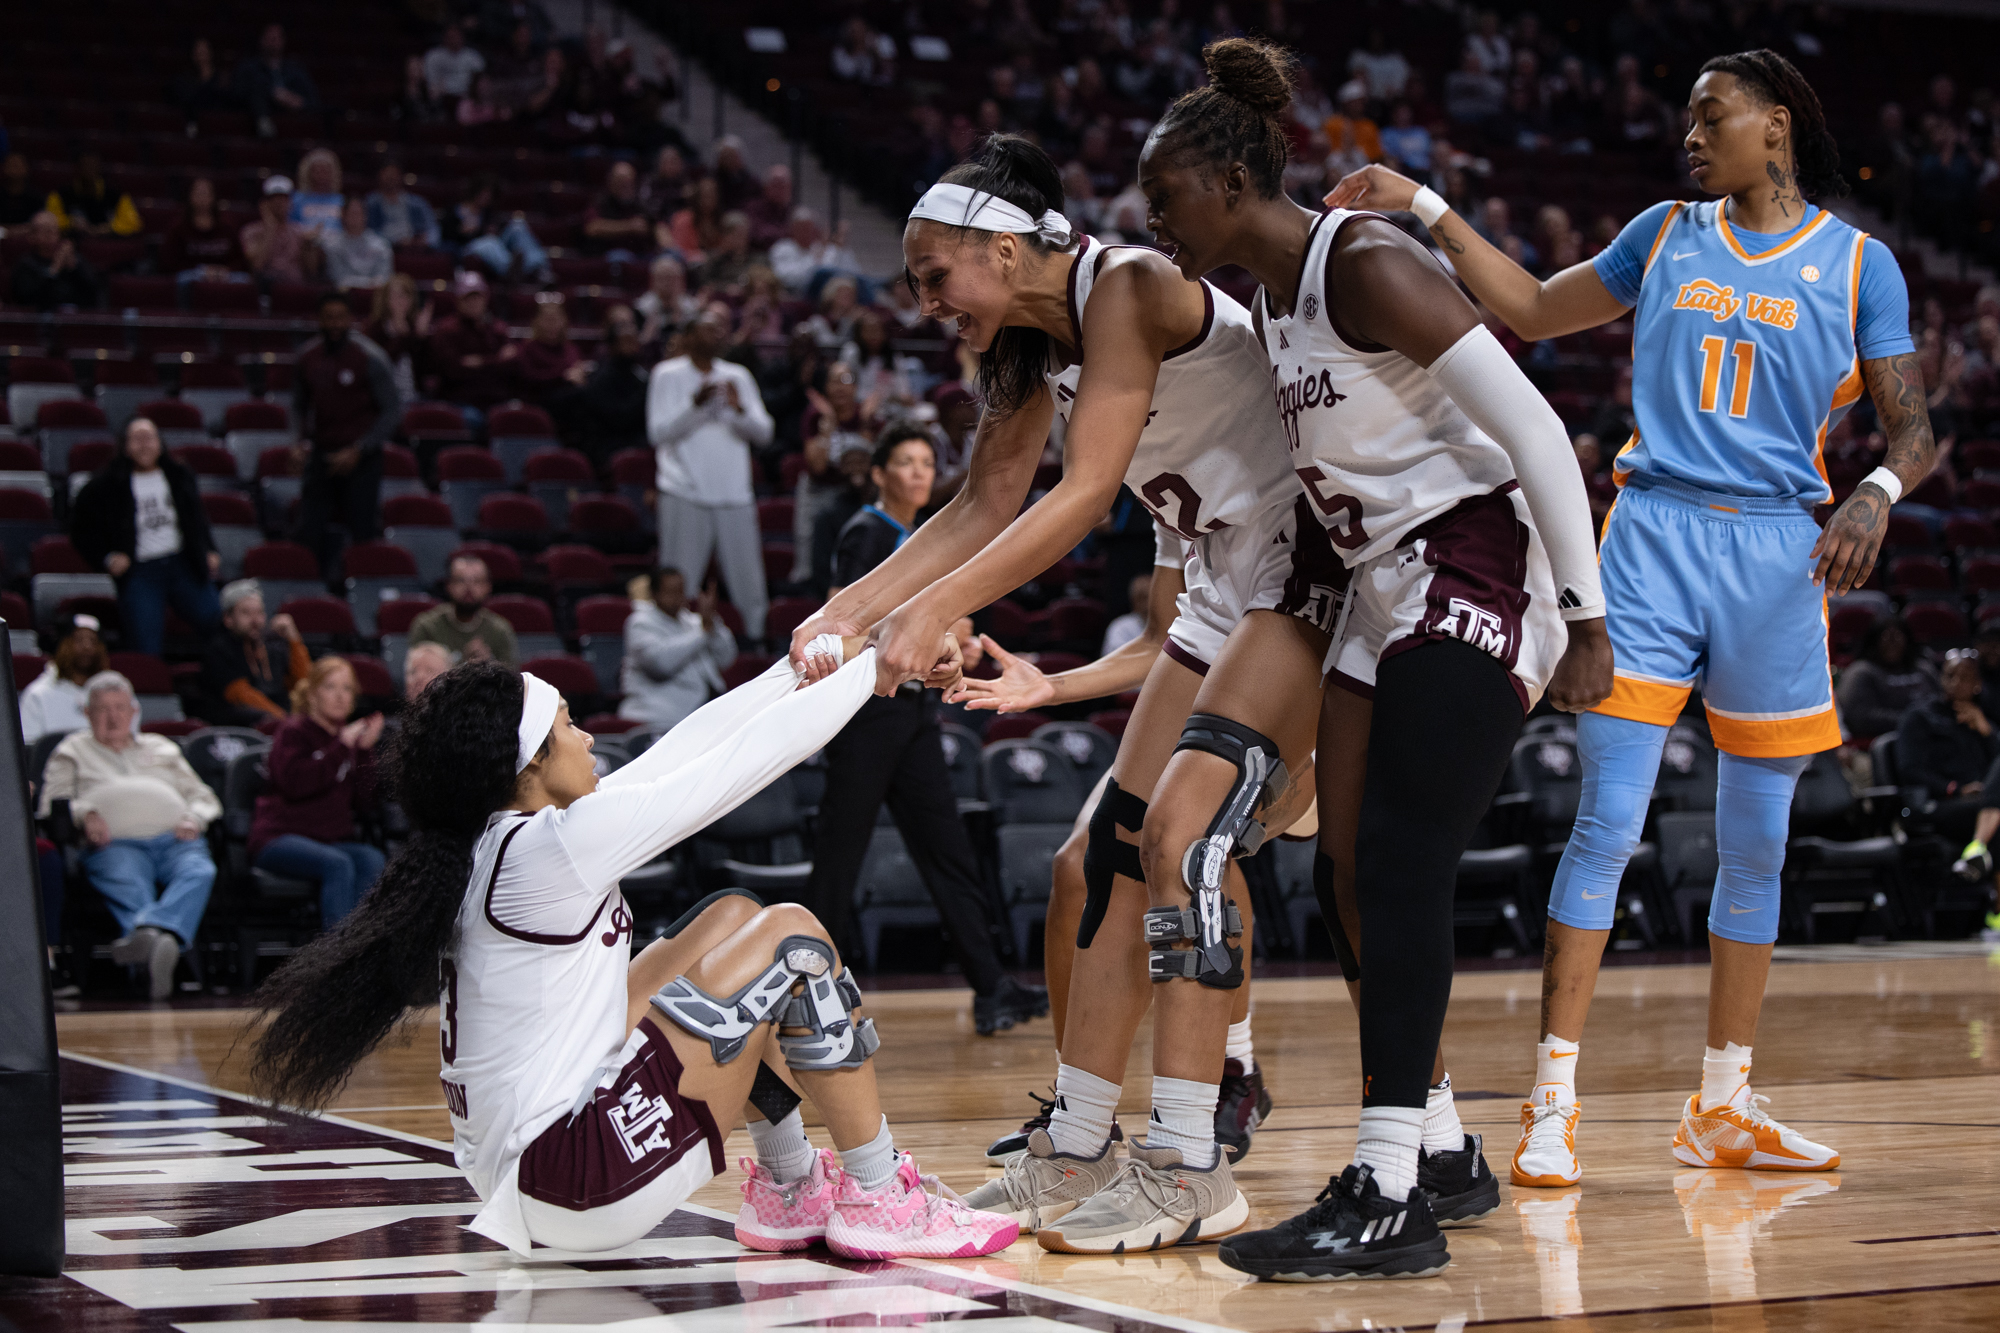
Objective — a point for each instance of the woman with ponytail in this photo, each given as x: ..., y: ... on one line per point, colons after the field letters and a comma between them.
x: 1165, y: 390
x: 1759, y: 319
x: 590, y: 1089
x: 1447, y: 485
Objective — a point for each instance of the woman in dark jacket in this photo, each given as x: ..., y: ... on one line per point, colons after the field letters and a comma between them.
x: 322, y: 770
x: 140, y: 520
x: 1886, y: 681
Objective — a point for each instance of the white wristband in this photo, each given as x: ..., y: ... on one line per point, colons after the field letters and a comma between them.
x: 1891, y: 484
x: 1429, y: 206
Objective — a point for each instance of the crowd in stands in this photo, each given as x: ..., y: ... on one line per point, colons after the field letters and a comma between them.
x: 320, y: 383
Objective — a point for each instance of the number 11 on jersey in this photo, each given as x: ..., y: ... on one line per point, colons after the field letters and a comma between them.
x: 1744, y: 353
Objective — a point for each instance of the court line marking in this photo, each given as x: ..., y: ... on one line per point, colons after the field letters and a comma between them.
x: 1943, y: 1235
x: 1728, y: 1305
x: 978, y: 1279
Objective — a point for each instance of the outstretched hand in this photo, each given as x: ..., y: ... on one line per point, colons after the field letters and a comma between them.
x: 1373, y: 187
x: 1021, y: 686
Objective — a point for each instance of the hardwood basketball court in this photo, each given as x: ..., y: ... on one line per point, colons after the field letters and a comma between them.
x: 191, y: 1210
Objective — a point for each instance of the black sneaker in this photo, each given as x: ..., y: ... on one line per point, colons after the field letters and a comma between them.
x: 1459, y: 1184
x: 1008, y: 1146
x: 1010, y: 1003
x: 1350, y: 1232
x: 1242, y: 1105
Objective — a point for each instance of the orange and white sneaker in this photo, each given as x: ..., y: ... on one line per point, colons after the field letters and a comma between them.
x: 1738, y: 1133
x: 1546, y: 1157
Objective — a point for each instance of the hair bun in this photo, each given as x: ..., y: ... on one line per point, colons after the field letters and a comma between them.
x: 1255, y: 73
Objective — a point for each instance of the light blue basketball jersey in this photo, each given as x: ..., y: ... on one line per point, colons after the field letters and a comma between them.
x: 1744, y: 358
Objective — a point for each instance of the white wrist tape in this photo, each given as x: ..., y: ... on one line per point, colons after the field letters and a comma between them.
x: 1490, y: 389
x: 1429, y: 206
x: 1891, y: 484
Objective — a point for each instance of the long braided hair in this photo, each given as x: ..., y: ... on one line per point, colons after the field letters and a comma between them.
x: 1776, y: 81
x: 1235, y: 116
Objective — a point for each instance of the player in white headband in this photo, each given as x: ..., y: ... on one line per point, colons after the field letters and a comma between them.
x: 1164, y: 389
x: 590, y: 1090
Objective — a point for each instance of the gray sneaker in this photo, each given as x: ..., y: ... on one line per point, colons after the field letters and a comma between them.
x: 1042, y: 1184
x: 1153, y: 1202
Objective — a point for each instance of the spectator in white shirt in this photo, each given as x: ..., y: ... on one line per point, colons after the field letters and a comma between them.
x: 1383, y: 70
x: 703, y: 415
x: 805, y: 251
x: 142, y: 810
x: 674, y: 653
x: 450, y: 66
x: 356, y: 256
x: 1132, y: 624
x: 666, y: 306
x: 53, y: 702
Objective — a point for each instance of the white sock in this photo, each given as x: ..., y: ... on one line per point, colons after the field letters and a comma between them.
x: 874, y: 1162
x: 1184, y: 1118
x: 782, y: 1149
x: 1388, y: 1140
x: 1085, y: 1107
x: 1442, y: 1130
x: 1238, y: 1046
x: 1555, y: 1072
x: 1723, y: 1072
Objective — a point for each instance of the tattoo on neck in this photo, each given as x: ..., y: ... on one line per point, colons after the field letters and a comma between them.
x: 1786, y: 181
x: 1446, y: 241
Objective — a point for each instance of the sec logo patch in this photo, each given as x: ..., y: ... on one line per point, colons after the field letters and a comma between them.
x: 1312, y: 305
x: 1810, y: 273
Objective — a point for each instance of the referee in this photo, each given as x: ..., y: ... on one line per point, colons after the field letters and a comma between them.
x: 891, y: 750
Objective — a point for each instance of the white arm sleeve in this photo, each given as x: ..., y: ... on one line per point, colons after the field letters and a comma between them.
x: 707, y: 766
x: 1491, y: 390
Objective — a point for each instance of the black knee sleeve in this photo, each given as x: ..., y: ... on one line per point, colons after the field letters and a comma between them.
x: 686, y: 918
x: 1329, y: 912
x: 771, y: 1095
x: 1106, y: 855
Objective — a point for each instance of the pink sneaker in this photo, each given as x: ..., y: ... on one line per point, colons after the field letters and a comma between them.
x: 912, y: 1215
x: 786, y: 1217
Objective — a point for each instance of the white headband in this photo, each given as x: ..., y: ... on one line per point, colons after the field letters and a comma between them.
x: 963, y: 206
x: 539, y: 702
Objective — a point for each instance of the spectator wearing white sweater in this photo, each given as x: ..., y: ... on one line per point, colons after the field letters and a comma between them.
x: 674, y: 653
x: 805, y: 251
x: 53, y: 701
x: 451, y: 65
x: 702, y: 416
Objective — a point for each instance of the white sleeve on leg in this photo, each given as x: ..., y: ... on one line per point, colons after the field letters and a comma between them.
x: 1490, y: 389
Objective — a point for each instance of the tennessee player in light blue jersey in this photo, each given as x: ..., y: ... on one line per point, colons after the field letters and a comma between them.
x: 1759, y: 319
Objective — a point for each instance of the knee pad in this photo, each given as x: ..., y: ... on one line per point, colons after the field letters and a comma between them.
x: 1106, y: 855
x: 1260, y: 775
x: 1329, y: 912
x: 1168, y: 926
x: 771, y: 1095
x: 832, y: 1039
x: 1752, y: 823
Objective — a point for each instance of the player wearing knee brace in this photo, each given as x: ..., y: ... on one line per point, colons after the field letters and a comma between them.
x: 1758, y: 320
x: 590, y: 1090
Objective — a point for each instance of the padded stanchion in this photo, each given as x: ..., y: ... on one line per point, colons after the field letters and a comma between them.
x: 31, y: 1180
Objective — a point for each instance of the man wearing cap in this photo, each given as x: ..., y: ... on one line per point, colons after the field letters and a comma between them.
x: 703, y: 415
x: 469, y: 347
x: 142, y: 810
x: 53, y: 701
x: 346, y: 404
x: 274, y: 245
x: 248, y: 672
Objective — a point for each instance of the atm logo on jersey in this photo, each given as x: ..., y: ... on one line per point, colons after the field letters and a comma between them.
x: 1302, y: 393
x: 1722, y: 303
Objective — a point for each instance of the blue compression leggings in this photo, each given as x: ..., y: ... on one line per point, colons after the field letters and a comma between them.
x: 1621, y: 760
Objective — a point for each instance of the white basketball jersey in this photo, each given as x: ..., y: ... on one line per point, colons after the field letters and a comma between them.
x: 1379, y: 445
x: 1212, y: 453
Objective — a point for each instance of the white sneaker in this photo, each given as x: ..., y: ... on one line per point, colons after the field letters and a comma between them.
x: 1546, y: 1157
x: 1738, y: 1133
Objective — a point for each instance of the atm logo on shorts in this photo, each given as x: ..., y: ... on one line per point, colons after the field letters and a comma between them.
x: 1477, y: 626
x: 640, y: 1122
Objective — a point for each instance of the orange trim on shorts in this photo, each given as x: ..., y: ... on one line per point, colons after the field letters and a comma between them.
x: 1774, y: 740
x: 1645, y: 701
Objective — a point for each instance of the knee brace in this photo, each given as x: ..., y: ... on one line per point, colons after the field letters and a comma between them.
x: 832, y: 1039
x: 1106, y: 855
x: 1752, y: 822
x: 1329, y: 912
x: 1234, y: 831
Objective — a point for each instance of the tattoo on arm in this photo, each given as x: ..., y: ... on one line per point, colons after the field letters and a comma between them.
x: 1453, y: 246
x: 1897, y: 385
